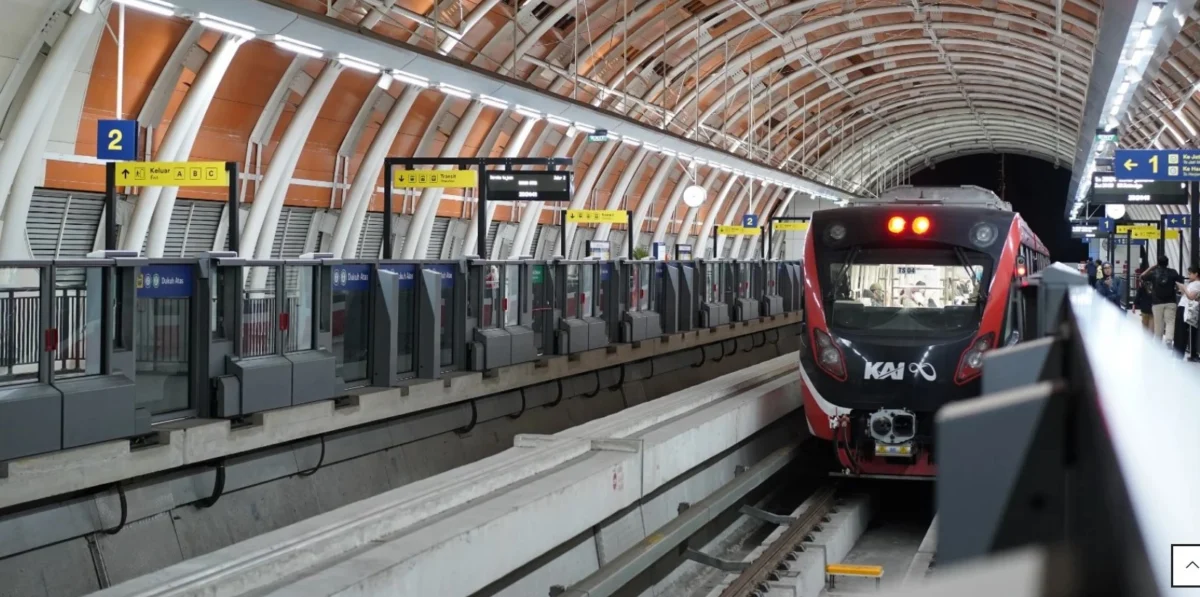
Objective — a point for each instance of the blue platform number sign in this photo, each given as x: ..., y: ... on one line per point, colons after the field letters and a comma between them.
x: 1105, y: 225
x: 164, y: 281
x: 1157, y: 164
x: 117, y: 140
x: 749, y: 221
x: 1178, y: 220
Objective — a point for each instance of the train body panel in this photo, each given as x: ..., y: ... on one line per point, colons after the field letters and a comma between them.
x: 901, y: 302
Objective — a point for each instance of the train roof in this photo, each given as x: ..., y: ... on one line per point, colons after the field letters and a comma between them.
x: 963, y: 196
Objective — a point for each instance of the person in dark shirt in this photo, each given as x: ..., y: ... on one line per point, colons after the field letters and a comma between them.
x: 1163, y: 297
x: 1141, y: 300
x: 1090, y: 271
x: 1111, y: 287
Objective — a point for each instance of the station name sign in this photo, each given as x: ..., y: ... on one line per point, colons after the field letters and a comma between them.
x: 1108, y: 189
x: 527, y: 185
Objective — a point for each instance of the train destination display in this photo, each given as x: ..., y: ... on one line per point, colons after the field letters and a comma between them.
x: 1108, y: 189
x: 527, y: 185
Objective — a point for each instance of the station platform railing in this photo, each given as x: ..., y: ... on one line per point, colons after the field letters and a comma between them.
x: 93, y: 350
x: 1075, y: 472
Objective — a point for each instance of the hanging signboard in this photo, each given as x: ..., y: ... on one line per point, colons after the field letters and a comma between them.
x: 1108, y: 189
x: 791, y: 226
x: 737, y: 231
x: 172, y: 174
x: 527, y: 185
x: 1157, y: 164
x: 435, y: 179
x: 598, y: 216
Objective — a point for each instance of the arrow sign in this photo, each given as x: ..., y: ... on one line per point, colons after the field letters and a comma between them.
x: 1157, y: 164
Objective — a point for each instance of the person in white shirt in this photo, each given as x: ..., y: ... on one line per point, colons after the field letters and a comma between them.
x: 1186, y: 335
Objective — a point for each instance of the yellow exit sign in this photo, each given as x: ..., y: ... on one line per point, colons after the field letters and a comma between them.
x: 172, y: 174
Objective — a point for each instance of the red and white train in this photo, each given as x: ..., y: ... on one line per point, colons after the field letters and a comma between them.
x: 902, y: 296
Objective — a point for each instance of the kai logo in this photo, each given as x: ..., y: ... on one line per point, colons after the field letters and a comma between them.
x: 895, y: 371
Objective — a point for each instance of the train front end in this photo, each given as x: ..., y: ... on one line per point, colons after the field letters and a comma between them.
x: 901, y: 302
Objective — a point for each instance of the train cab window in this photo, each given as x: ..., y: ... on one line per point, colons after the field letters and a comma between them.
x: 908, y: 292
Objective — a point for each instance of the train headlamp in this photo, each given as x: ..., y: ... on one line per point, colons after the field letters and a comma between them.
x: 983, y: 235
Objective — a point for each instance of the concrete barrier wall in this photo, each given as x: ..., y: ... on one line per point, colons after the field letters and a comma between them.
x: 61, y: 549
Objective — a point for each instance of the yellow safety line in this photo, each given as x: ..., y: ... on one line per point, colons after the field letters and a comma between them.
x: 854, y: 570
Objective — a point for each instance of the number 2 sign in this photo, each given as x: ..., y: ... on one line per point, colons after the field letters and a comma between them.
x: 116, y: 140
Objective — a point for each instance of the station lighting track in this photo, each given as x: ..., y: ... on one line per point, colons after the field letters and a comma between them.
x: 1135, y: 62
x: 319, y: 37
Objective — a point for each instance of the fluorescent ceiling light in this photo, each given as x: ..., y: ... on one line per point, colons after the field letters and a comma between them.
x: 409, y: 79
x: 1115, y: 110
x: 1120, y: 99
x: 297, y: 46
x: 650, y: 147
x: 494, y: 102
x: 1132, y: 75
x: 1123, y: 88
x: 725, y: 168
x: 453, y: 91
x: 1155, y: 12
x: 225, y: 26
x: 150, y: 6
x: 1143, y: 39
x: 558, y: 121
x: 585, y: 128
x: 669, y: 152
x: 1138, y: 56
x: 359, y: 64
x: 1112, y: 125
x: 630, y: 141
x: 528, y: 112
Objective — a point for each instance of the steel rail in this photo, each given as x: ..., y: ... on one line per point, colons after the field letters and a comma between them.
x: 611, y: 577
x: 822, y: 503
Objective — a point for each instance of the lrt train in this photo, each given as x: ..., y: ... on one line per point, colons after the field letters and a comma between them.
x: 902, y: 296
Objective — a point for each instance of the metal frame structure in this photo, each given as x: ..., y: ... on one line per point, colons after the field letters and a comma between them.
x: 481, y: 164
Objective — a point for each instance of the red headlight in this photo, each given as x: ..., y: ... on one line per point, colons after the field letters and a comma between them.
x: 896, y: 225
x: 921, y: 225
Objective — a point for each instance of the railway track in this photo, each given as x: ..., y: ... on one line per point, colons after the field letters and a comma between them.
x: 854, y: 528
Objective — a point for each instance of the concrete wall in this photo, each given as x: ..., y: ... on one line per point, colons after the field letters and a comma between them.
x: 61, y: 549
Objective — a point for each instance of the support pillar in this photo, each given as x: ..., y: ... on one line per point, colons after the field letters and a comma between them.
x: 192, y: 109
x: 515, y: 144
x: 422, y: 221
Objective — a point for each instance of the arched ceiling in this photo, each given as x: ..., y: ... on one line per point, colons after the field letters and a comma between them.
x: 849, y: 92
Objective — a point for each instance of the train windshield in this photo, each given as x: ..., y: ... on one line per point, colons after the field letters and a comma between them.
x: 928, y: 291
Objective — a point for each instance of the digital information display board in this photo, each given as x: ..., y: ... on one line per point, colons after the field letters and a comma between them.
x: 527, y: 185
x: 1107, y: 189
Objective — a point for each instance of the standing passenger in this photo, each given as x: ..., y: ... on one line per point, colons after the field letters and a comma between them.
x: 1141, y: 300
x: 1090, y: 271
x: 1112, y: 288
x: 1185, y: 333
x: 1162, y: 294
